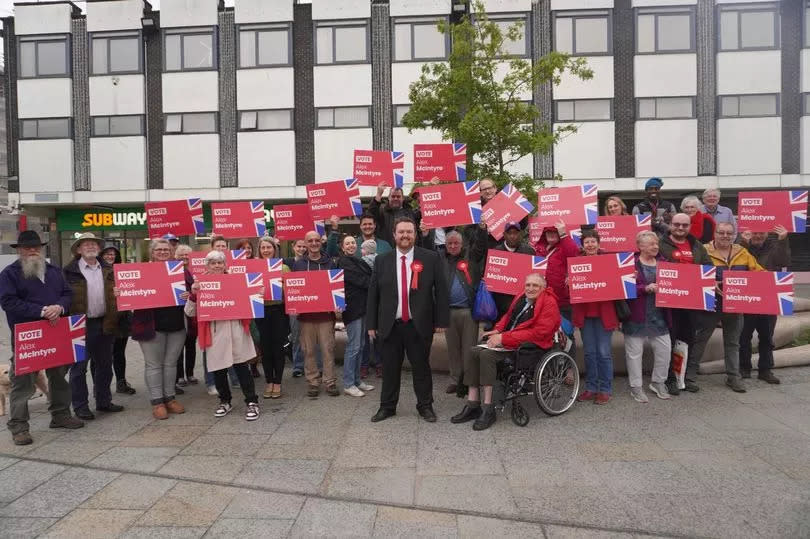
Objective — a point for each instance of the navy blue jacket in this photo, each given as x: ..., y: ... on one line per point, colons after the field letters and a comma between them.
x: 23, y: 299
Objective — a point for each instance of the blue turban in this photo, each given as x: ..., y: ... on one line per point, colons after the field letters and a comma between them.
x: 654, y: 182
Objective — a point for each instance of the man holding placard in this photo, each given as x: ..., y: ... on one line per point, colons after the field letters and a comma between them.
x: 387, y: 213
x: 32, y: 289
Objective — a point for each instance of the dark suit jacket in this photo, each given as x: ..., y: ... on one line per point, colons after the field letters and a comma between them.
x: 429, y: 303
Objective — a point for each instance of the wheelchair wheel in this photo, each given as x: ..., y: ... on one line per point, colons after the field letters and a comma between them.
x: 551, y: 391
x: 520, y: 416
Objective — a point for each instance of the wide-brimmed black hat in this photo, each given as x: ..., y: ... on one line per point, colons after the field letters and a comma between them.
x: 28, y: 238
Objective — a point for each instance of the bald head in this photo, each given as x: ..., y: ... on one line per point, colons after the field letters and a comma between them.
x: 679, y: 227
x: 313, y: 241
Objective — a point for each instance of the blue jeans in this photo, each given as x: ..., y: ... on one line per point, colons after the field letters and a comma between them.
x: 354, y: 352
x: 598, y: 361
x: 298, y: 353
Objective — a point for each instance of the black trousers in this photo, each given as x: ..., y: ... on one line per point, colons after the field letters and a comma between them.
x: 119, y: 358
x: 99, y: 358
x: 763, y: 324
x: 190, y: 354
x: 405, y: 339
x: 245, y: 380
x: 274, y: 329
x: 683, y: 329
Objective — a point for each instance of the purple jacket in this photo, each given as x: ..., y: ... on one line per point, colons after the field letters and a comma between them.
x: 23, y: 299
x: 638, y: 306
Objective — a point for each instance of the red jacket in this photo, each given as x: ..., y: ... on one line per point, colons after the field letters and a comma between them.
x: 702, y: 227
x: 557, y: 265
x: 539, y: 330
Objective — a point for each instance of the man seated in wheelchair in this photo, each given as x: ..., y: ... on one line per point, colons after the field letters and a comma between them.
x: 533, y: 317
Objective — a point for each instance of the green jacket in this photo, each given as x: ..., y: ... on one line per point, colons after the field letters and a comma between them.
x: 78, y: 303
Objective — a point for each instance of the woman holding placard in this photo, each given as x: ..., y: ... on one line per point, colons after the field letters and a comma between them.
x: 615, y: 206
x: 274, y: 329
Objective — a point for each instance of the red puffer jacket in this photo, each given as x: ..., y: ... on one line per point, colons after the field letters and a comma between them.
x: 540, y: 329
x: 557, y: 265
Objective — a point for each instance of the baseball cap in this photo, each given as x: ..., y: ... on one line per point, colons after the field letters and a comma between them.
x: 512, y: 224
x: 171, y: 237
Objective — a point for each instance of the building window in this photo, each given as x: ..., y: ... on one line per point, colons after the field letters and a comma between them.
x: 807, y: 25
x: 189, y: 50
x: 342, y: 42
x: 749, y: 106
x: 265, y: 46
x: 666, y: 108
x: 44, y: 56
x: 342, y: 117
x: 419, y: 39
x: 399, y: 112
x: 265, y: 120
x: 115, y: 53
x: 749, y: 27
x: 582, y: 32
x: 806, y: 101
x: 665, y: 30
x: 583, y: 110
x: 191, y: 122
x: 514, y: 48
x: 117, y: 126
x: 46, y: 128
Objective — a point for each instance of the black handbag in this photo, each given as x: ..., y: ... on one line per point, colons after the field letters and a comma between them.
x: 622, y: 310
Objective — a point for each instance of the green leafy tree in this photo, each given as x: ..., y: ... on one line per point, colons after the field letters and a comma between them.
x: 476, y: 98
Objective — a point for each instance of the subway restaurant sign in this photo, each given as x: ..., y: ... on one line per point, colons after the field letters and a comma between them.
x: 80, y: 219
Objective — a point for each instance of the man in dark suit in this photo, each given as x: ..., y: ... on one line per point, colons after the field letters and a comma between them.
x: 407, y: 301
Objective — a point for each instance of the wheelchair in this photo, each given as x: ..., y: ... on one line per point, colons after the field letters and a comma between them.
x: 550, y: 376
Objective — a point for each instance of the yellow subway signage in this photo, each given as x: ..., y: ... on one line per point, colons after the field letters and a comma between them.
x: 134, y: 219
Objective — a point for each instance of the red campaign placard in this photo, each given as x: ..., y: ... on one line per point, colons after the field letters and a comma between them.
x: 196, y: 262
x: 508, y: 205
x: 450, y: 204
x: 536, y: 226
x: 758, y: 292
x: 685, y: 286
x: 230, y: 296
x: 147, y: 285
x: 602, y: 277
x: 340, y: 197
x: 372, y: 167
x: 506, y: 272
x: 293, y: 221
x: 314, y: 291
x: 447, y: 162
x: 244, y: 219
x: 270, y: 268
x: 178, y: 217
x: 40, y: 345
x: 575, y: 206
x: 617, y: 233
x: 760, y: 211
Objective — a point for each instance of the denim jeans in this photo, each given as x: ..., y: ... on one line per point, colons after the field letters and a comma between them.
x: 598, y: 363
x: 354, y: 352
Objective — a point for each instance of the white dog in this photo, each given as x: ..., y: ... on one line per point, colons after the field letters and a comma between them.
x: 40, y: 381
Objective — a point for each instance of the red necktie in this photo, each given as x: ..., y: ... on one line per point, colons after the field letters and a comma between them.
x: 406, y: 315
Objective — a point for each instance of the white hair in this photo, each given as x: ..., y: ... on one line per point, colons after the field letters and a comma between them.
x: 711, y: 190
x: 691, y: 199
x: 538, y: 277
x: 183, y: 248
x: 644, y: 235
x: 156, y: 242
x: 214, y: 256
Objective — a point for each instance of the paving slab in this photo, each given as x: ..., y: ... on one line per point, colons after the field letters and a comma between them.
x: 41, y: 437
x: 384, y: 485
x: 479, y: 493
x: 297, y: 451
x: 485, y: 528
x: 23, y: 476
x: 130, y: 492
x: 71, y: 451
x: 223, y: 469
x: 135, y: 459
x: 286, y: 475
x: 238, y: 445
x: 565, y: 532
x: 93, y: 523
x: 244, y: 528
x: 389, y: 444
x: 5, y: 462
x: 189, y: 505
x: 400, y: 522
x: 263, y: 505
x: 326, y: 518
x: 164, y: 532
x: 447, y: 449
x: 153, y: 436
x: 24, y: 527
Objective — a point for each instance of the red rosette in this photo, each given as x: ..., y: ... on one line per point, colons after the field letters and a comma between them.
x: 416, y: 268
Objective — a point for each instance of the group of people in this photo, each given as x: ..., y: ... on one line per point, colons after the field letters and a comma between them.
x: 403, y: 283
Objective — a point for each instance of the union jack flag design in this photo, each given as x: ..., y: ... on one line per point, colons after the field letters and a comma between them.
x: 274, y: 290
x: 473, y: 193
x: 460, y: 154
x: 238, y: 254
x: 539, y: 263
x: 576, y: 235
x: 77, y: 335
x: 708, y: 272
x: 357, y: 205
x: 644, y: 219
x: 178, y: 288
x: 590, y: 190
x: 195, y: 208
x: 255, y: 280
x: 785, y: 279
x: 626, y: 260
x: 398, y: 168
x: 708, y: 298
x: 336, y: 287
x: 517, y: 197
x: 799, y: 214
x: 174, y: 267
x: 257, y: 208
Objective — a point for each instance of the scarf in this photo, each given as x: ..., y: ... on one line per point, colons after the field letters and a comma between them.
x: 205, y: 337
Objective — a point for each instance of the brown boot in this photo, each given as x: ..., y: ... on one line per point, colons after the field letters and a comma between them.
x: 175, y: 407
x: 159, y: 411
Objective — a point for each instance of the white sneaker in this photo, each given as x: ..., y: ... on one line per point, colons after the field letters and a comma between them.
x: 660, y: 390
x: 354, y: 391
x: 365, y: 387
x: 252, y: 412
x: 223, y: 409
x: 213, y: 391
x: 638, y: 395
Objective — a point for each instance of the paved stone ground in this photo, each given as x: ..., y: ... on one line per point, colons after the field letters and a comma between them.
x: 712, y: 464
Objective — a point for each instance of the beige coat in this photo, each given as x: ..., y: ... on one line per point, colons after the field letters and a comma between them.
x: 229, y: 342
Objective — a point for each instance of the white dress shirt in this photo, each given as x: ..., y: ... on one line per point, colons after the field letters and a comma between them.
x: 398, y: 265
x: 95, y: 288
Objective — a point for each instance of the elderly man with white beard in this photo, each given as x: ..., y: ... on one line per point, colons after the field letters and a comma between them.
x: 31, y: 289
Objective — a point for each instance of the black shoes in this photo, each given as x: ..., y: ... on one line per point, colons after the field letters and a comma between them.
x: 467, y: 414
x: 486, y: 420
x: 428, y: 414
x: 112, y: 407
x: 672, y: 387
x: 767, y: 376
x: 66, y: 422
x: 383, y: 414
x: 84, y: 413
x: 22, y: 438
x: 122, y: 386
x: 691, y: 386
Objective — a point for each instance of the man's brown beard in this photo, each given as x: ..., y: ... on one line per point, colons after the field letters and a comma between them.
x: 33, y: 266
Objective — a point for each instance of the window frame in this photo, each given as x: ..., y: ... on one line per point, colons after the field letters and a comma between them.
x: 757, y: 7
x: 182, y: 118
x: 257, y: 29
x: 657, y: 12
x: 655, y: 99
x: 37, y: 39
x: 256, y: 129
x: 347, y: 23
x: 213, y: 31
x: 109, y: 36
x: 22, y: 130
x: 721, y: 116
x: 93, y: 119
x: 806, y: 104
x: 806, y: 26
x: 333, y: 126
x: 511, y: 18
x: 394, y: 108
x: 574, y: 101
x: 411, y: 22
x: 575, y: 14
